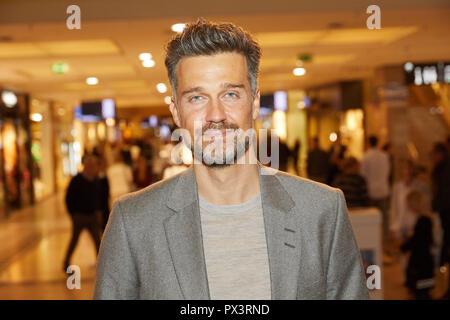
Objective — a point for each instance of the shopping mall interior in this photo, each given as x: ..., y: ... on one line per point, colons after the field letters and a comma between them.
x: 80, y: 77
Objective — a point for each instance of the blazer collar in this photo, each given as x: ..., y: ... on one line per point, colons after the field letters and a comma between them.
x: 184, y: 236
x: 273, y: 194
x: 185, y: 191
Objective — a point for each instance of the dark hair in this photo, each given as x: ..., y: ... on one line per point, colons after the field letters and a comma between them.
x: 349, y: 163
x: 440, y: 148
x: 208, y: 38
x: 88, y: 155
x: 373, y: 141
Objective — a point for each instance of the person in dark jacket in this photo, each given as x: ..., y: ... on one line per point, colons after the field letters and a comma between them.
x: 317, y: 163
x: 295, y: 154
x: 352, y: 184
x: 420, y: 269
x: 84, y: 201
x: 441, y: 199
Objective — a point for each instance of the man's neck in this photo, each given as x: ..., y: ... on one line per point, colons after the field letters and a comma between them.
x: 233, y: 184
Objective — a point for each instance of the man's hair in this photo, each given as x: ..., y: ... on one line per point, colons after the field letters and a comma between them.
x: 373, y: 141
x: 205, y: 38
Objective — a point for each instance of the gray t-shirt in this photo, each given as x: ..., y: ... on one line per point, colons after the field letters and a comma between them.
x: 235, y: 250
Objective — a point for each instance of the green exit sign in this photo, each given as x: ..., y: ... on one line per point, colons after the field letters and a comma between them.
x: 305, y: 57
x: 60, y: 68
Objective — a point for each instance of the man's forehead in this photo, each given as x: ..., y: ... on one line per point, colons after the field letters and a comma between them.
x: 225, y: 69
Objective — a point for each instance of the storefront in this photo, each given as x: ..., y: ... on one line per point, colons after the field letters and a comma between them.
x: 15, y: 156
x: 42, y: 148
x: 336, y: 112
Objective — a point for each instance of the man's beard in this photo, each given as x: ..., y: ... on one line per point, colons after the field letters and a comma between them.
x: 221, y: 151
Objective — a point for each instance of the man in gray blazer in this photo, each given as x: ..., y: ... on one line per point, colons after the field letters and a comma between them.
x: 228, y: 227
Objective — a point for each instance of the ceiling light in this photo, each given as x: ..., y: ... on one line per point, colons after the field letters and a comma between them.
x: 408, y: 67
x: 36, y: 117
x: 145, y: 56
x: 333, y: 136
x: 9, y: 99
x: 92, y: 81
x: 178, y: 27
x: 168, y: 100
x: 161, y: 87
x: 148, y: 63
x: 299, y: 71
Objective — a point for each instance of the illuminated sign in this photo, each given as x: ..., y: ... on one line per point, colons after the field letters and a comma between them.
x: 427, y: 73
x: 60, y: 68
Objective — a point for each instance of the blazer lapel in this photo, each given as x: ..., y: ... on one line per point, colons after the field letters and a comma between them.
x: 184, y: 237
x: 281, y: 227
x: 183, y: 232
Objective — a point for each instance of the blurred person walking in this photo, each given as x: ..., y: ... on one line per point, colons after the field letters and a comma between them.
x: 104, y: 192
x: 336, y: 155
x: 352, y: 184
x: 120, y: 177
x: 284, y: 154
x: 295, y: 154
x: 441, y: 200
x: 388, y: 149
x: 420, y: 270
x: 375, y: 168
x: 84, y: 204
x: 403, y: 219
x: 142, y: 175
x: 317, y: 163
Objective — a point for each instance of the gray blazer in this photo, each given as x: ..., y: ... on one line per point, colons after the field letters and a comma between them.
x: 153, y: 249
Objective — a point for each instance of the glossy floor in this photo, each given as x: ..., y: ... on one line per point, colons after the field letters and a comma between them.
x: 33, y: 243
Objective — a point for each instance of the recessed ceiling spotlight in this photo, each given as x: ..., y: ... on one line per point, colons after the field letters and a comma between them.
x: 148, y: 63
x: 36, y: 117
x: 145, y: 56
x: 408, y: 67
x: 178, y: 27
x: 9, y: 99
x: 299, y: 72
x: 92, y: 81
x: 161, y: 87
x: 168, y: 100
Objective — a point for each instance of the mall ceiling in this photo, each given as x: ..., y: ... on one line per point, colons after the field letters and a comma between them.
x: 33, y: 35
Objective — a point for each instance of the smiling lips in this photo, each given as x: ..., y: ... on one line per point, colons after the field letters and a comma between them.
x: 213, y: 134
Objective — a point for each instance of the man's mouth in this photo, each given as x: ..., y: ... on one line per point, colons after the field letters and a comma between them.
x: 214, y: 134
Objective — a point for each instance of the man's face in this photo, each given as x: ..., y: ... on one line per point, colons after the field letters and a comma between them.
x: 214, y: 91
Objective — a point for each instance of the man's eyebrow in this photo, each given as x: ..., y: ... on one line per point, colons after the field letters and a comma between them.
x: 190, y: 90
x: 228, y: 85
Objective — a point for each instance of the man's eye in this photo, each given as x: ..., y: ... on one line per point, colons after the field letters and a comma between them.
x: 196, y: 98
x: 231, y: 95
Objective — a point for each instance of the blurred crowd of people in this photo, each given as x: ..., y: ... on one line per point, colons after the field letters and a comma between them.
x: 109, y: 172
x: 415, y: 209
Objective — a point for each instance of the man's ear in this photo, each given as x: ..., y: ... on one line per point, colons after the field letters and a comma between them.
x: 175, y: 114
x: 255, y: 105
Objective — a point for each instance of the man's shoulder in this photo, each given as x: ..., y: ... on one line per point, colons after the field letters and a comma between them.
x: 305, y: 189
x: 77, y: 178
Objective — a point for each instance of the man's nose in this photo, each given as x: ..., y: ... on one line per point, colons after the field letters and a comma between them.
x: 216, y: 112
